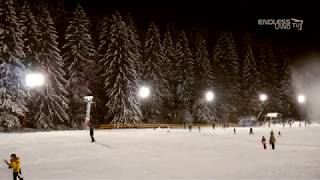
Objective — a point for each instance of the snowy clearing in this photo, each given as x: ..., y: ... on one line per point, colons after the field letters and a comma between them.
x: 156, y: 154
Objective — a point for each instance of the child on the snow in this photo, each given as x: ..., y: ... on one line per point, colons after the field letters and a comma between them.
x: 190, y: 128
x: 15, y: 165
x: 199, y: 128
x: 263, y: 141
x: 272, y: 141
x: 279, y: 134
x: 234, y: 131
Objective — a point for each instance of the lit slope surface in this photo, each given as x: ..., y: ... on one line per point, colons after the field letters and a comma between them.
x: 149, y: 154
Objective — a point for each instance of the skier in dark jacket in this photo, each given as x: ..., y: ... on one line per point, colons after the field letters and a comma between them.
x: 263, y: 141
x: 92, y: 134
x: 234, y: 131
x: 251, y: 131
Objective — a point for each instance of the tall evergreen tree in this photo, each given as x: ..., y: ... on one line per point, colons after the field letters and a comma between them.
x: 184, y: 73
x: 30, y: 35
x: 59, y: 15
x: 97, y: 81
x: 267, y: 72
x: 79, y: 55
x: 284, y: 89
x: 226, y: 66
x: 52, y: 100
x: 12, y: 93
x: 249, y: 84
x: 170, y: 103
x: 135, y: 45
x: 120, y: 75
x: 154, y: 75
x: 204, y: 80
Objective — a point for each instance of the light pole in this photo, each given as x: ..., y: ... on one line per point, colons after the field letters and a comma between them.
x: 301, y: 100
x: 88, y: 99
x: 144, y: 93
x: 262, y: 97
x: 33, y: 80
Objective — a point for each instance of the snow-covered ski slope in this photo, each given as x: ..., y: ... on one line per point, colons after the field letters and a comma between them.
x: 156, y: 154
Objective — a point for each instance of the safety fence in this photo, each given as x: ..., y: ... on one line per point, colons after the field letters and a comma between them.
x: 147, y: 125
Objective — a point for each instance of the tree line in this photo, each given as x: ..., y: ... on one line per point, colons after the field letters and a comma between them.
x: 113, y: 61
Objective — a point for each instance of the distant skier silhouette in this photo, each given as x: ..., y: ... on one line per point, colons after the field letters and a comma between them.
x: 263, y: 141
x: 251, y: 131
x: 92, y: 134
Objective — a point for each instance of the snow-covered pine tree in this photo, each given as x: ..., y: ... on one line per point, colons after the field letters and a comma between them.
x: 226, y: 66
x: 184, y: 74
x: 204, y: 81
x: 12, y: 91
x: 154, y: 76
x: 30, y: 34
x: 52, y: 101
x: 59, y: 16
x: 135, y: 45
x: 104, y: 29
x: 267, y: 72
x: 170, y: 102
x: 284, y: 88
x: 120, y: 75
x: 79, y: 55
x: 97, y: 81
x: 249, y: 83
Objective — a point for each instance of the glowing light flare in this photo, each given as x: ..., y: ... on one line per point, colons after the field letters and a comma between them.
x: 34, y: 79
x: 301, y: 99
x: 263, y: 97
x: 209, y: 95
x: 144, y: 92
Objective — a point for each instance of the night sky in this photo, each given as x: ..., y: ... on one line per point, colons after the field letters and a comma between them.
x: 236, y: 16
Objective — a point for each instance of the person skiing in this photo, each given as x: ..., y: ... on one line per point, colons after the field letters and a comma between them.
x: 15, y: 165
x: 92, y: 134
x: 199, y: 128
x: 279, y: 133
x: 251, y: 131
x: 234, y: 131
x: 213, y: 126
x: 190, y: 128
x: 272, y: 141
x: 263, y: 141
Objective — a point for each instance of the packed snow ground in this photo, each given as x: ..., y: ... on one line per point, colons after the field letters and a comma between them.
x: 156, y: 154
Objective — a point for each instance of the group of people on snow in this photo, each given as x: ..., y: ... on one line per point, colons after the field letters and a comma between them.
x: 272, y: 140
